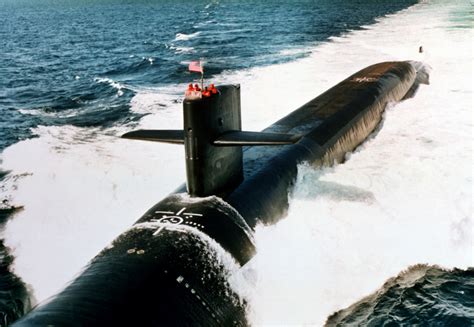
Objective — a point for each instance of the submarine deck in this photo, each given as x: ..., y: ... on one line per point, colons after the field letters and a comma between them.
x: 332, y: 108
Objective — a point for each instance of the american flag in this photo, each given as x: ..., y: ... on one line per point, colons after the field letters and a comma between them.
x: 195, y: 66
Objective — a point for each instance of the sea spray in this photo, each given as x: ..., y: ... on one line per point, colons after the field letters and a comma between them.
x: 403, y: 198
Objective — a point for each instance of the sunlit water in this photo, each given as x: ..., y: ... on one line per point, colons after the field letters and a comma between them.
x: 403, y: 198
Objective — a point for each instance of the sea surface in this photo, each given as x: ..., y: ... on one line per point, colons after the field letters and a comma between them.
x: 384, y: 239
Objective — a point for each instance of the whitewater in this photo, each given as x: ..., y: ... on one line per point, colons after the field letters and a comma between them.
x: 402, y: 198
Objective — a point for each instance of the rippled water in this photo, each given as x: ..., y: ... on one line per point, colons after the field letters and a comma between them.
x: 81, y: 62
x: 420, y: 295
x: 76, y: 74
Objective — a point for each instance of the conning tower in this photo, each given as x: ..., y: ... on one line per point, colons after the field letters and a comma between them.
x: 213, y: 140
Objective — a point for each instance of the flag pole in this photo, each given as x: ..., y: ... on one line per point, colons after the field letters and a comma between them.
x: 202, y: 75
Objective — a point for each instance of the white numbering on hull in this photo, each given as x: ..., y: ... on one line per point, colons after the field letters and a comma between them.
x: 175, y: 218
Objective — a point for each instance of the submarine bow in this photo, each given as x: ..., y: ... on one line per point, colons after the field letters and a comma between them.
x: 172, y: 267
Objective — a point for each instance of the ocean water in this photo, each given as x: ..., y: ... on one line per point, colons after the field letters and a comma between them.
x: 80, y: 63
x: 385, y: 237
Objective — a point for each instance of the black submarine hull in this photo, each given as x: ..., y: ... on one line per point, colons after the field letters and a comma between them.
x: 172, y: 267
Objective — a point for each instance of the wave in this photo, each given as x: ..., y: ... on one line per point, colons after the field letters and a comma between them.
x: 205, y: 23
x: 180, y: 50
x: 67, y: 113
x: 212, y: 3
x: 421, y: 294
x: 294, y: 52
x: 114, y: 84
x: 15, y: 298
x: 152, y: 100
x: 135, y: 67
x: 186, y: 37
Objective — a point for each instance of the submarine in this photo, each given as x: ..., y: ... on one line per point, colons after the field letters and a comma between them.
x: 171, y: 268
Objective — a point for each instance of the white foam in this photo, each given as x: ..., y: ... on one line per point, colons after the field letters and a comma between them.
x: 85, y: 188
x: 294, y: 51
x: 403, y: 198
x: 114, y: 84
x: 179, y: 50
x: 186, y: 37
x: 64, y: 113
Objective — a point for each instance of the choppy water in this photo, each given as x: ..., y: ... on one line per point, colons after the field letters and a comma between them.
x: 81, y: 62
x: 74, y: 75
x: 421, y: 295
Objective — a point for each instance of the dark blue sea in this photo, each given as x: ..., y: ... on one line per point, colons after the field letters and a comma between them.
x: 59, y: 55
x: 81, y: 64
